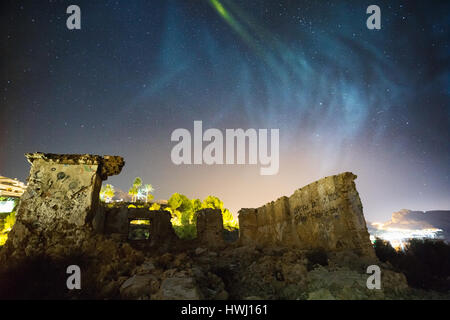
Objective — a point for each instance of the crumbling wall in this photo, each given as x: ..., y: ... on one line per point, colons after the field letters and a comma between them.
x: 326, y: 214
x: 210, y: 227
x: 210, y: 231
x: 60, y: 209
x: 161, y: 231
x: 61, y: 200
x: 117, y: 221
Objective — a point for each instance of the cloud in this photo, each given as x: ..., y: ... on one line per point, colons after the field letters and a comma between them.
x: 414, y: 221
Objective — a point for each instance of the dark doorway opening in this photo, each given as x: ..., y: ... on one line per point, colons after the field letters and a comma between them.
x: 139, y: 229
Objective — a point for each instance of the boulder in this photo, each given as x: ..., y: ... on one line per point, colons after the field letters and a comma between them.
x: 178, y: 288
x: 139, y: 286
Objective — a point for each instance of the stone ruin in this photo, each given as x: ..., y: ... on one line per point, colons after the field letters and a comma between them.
x: 326, y: 214
x: 210, y: 227
x: 61, y: 198
x: 62, y: 202
x: 117, y: 222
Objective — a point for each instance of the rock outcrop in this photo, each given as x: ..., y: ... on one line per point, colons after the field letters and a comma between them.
x: 61, y: 202
x: 180, y: 288
x: 326, y: 214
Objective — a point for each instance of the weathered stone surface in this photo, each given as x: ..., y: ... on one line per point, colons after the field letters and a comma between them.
x: 109, y: 165
x: 161, y: 231
x: 210, y: 227
x: 98, y: 221
x: 147, y: 267
x: 178, y: 288
x: 61, y: 200
x: 139, y: 287
x: 341, y: 284
x: 326, y: 214
x: 116, y: 220
x: 200, y: 251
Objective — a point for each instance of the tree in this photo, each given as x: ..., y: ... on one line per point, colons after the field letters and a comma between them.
x: 6, y: 227
x: 212, y: 202
x: 107, y: 193
x: 137, y: 182
x: 147, y: 189
x: 229, y: 222
x: 196, y: 204
x: 183, y: 222
x: 134, y: 190
x: 181, y: 209
x: 183, y: 214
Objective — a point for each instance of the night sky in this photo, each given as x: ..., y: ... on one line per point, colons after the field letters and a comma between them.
x: 345, y: 98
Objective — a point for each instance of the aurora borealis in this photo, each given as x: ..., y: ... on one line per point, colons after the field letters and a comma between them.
x: 345, y: 98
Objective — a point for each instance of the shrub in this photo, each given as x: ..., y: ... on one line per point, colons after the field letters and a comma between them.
x: 425, y: 263
x: 384, y: 250
x: 183, y: 211
x: 6, y: 226
x: 187, y: 232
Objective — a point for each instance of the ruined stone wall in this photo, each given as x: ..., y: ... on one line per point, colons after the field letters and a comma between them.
x: 117, y: 221
x: 61, y: 199
x: 161, y: 231
x: 61, y: 208
x: 325, y: 214
x: 210, y: 227
x: 210, y: 231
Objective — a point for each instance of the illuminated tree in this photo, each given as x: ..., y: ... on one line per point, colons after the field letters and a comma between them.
x: 183, y: 222
x: 107, y: 193
x: 147, y: 189
x: 134, y: 190
x: 196, y: 204
x: 6, y: 227
x: 181, y: 208
x: 212, y: 202
x: 229, y: 222
x: 137, y: 183
x: 183, y: 214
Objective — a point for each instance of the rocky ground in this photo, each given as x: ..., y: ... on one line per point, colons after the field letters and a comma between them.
x: 120, y: 270
x: 256, y: 273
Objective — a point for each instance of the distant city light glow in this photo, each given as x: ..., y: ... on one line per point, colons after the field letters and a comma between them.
x: 398, y: 237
